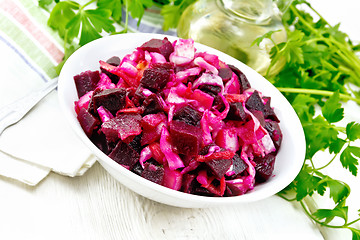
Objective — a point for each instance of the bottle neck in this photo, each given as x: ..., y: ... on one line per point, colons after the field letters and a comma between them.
x: 250, y: 10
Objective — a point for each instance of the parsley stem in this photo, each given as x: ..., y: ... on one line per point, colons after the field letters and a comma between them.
x: 285, y: 198
x: 320, y: 168
x: 306, y: 210
x: 352, y: 222
x: 87, y: 4
x: 317, y: 92
x: 303, y: 21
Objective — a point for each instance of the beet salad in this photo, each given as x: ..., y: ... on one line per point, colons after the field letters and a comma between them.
x: 180, y: 118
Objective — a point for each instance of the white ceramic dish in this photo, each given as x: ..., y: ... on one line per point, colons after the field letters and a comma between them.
x: 289, y: 159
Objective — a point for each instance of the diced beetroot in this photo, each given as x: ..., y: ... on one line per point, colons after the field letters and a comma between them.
x: 155, y: 79
x: 111, y: 99
x: 124, y: 155
x: 188, y: 183
x: 87, y: 121
x: 163, y: 47
x: 86, y: 81
x: 259, y: 116
x: 122, y: 126
x: 237, y: 112
x: 152, y: 105
x: 243, y: 81
x: 137, y: 169
x: 219, y: 103
x: 152, y: 135
x: 225, y: 74
x: 115, y: 61
x: 99, y: 139
x: 186, y: 138
x: 239, y: 165
x: 135, y: 143
x: 275, y: 133
x: 188, y: 115
x: 168, y: 66
x: 219, y: 166
x: 212, y: 90
x: 264, y: 167
x: 254, y: 102
x: 269, y: 111
x: 198, y: 190
x: 153, y: 173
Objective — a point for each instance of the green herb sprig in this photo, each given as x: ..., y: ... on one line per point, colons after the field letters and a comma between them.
x: 320, y: 73
x: 78, y: 24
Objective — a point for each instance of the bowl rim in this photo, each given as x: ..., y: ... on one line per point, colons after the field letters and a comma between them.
x: 106, y: 161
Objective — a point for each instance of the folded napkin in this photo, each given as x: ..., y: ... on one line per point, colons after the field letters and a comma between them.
x: 42, y: 141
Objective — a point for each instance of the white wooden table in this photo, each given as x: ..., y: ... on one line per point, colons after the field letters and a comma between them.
x: 96, y: 206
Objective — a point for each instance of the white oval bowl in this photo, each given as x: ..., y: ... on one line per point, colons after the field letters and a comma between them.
x: 289, y: 159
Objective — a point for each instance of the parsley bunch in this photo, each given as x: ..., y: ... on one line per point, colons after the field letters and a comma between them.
x: 321, y: 72
x: 78, y: 24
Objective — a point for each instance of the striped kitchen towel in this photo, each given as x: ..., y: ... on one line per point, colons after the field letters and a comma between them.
x: 42, y: 141
x: 30, y: 50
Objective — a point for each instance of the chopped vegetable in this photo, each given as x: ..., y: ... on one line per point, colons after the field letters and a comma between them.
x: 181, y: 133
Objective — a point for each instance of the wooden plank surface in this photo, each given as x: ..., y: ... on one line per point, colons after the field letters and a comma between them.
x: 96, y: 206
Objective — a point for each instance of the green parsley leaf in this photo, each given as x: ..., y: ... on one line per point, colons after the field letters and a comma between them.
x: 73, y: 27
x: 329, y: 214
x: 88, y: 32
x: 292, y: 50
x: 320, y: 135
x: 100, y: 19
x: 355, y: 233
x: 337, y: 145
x: 305, y: 183
x: 332, y: 110
x: 353, y: 131
x: 348, y: 159
x: 115, y: 6
x: 339, y: 191
x: 61, y: 14
x: 137, y: 8
x: 172, y: 12
x: 267, y: 35
x: 45, y: 3
x: 304, y: 106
